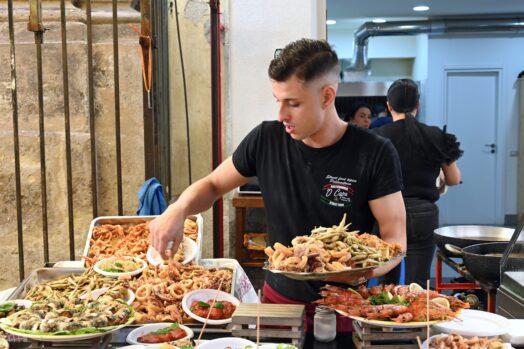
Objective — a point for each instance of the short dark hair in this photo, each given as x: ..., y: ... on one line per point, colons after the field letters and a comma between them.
x: 403, y: 95
x: 355, y: 107
x: 305, y: 58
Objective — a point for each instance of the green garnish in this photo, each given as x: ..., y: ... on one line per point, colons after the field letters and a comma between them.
x: 166, y: 330
x: 219, y: 305
x: 285, y: 346
x: 113, y: 270
x: 4, y: 308
x: 118, y: 264
x: 383, y: 298
x: 203, y: 304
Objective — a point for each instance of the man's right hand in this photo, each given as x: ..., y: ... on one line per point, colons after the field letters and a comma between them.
x: 167, y: 231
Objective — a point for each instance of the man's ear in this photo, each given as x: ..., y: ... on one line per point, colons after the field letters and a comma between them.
x: 329, y: 93
x: 390, y: 109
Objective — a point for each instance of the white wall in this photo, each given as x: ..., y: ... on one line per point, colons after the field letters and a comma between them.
x: 475, y: 52
x: 256, y: 28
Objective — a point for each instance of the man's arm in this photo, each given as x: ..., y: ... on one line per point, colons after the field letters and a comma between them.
x: 198, y: 197
x: 390, y: 213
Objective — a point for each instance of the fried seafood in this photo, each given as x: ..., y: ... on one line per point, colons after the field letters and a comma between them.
x: 390, y: 302
x: 110, y: 240
x: 56, y: 315
x: 72, y: 287
x: 159, y: 290
x: 331, y: 249
x: 456, y: 341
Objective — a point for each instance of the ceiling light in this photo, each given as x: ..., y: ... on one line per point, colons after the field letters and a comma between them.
x: 379, y: 20
x: 331, y: 22
x: 421, y: 8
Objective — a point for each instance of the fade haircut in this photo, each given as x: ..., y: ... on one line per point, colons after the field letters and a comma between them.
x: 306, y: 58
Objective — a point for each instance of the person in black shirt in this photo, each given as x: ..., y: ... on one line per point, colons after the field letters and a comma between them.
x: 424, y: 151
x: 360, y: 115
x: 312, y: 169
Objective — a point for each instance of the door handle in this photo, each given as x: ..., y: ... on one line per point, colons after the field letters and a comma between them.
x: 493, y: 147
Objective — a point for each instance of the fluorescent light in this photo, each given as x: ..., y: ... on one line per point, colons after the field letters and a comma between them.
x: 331, y: 22
x: 421, y: 8
x: 379, y: 20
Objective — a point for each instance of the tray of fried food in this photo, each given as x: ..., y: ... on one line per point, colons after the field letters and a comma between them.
x: 66, y: 284
x: 129, y: 236
x: 392, y: 305
x: 456, y: 341
x: 159, y: 290
x: 329, y: 252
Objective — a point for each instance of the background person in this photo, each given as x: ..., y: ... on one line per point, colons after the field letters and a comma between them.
x: 299, y: 159
x: 360, y: 114
x: 425, y: 152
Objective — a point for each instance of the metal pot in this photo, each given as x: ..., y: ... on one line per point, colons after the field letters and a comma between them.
x: 481, y: 260
x: 466, y: 235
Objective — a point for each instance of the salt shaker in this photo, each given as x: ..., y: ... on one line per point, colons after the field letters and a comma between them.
x: 324, y: 324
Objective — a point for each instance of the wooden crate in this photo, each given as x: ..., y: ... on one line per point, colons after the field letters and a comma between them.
x: 277, y: 321
x: 373, y: 337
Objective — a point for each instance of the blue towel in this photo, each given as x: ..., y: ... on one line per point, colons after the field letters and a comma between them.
x: 151, y: 198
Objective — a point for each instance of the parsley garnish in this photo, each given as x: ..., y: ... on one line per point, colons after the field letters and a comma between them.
x: 166, y: 330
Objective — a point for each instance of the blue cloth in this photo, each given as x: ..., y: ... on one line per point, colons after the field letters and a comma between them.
x: 151, y: 198
x: 383, y: 120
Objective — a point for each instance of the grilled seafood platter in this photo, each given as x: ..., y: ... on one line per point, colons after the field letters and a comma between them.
x: 330, y: 250
x: 57, y: 318
x: 392, y: 303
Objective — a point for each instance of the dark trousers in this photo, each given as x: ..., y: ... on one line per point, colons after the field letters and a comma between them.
x: 421, y: 221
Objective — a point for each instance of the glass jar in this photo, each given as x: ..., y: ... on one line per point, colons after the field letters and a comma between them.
x: 324, y: 324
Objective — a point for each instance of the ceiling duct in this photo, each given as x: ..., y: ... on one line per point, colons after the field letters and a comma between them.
x: 440, y: 26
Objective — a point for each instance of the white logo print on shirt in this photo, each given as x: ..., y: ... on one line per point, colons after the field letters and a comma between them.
x: 337, y: 191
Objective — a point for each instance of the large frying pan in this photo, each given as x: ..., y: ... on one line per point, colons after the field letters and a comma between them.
x: 481, y: 260
x: 466, y: 235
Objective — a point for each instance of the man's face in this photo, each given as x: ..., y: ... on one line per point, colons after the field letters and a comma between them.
x: 299, y: 107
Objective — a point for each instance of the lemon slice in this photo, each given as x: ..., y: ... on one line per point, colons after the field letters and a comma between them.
x: 414, y: 287
x: 442, y: 301
x: 389, y: 296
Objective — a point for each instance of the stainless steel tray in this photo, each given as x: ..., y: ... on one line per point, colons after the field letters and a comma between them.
x: 134, y: 220
x: 42, y: 275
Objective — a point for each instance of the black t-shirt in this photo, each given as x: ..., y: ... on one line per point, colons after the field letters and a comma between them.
x: 306, y: 187
x: 422, y: 149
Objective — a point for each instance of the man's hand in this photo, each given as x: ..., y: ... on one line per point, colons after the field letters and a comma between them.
x: 167, y: 231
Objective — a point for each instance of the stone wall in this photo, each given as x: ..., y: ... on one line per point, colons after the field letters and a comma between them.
x: 55, y: 149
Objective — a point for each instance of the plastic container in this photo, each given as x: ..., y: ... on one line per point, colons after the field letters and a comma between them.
x: 324, y: 324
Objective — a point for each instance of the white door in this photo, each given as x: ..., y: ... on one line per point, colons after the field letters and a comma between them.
x: 472, y: 110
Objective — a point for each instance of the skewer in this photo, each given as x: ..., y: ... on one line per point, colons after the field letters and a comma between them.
x: 427, y: 309
x: 209, y: 312
x: 419, y: 343
x: 258, y: 319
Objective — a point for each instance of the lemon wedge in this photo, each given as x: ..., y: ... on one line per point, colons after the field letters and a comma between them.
x: 414, y: 287
x: 442, y: 301
x: 389, y: 296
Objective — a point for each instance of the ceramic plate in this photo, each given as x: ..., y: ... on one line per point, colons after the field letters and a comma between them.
x: 426, y: 342
x: 132, y: 337
x: 190, y: 252
x: 205, y: 295
x: 231, y: 342
x: 97, y: 267
x: 476, y: 323
x: 385, y: 323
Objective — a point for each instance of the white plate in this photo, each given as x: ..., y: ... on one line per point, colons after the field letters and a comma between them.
x: 190, y: 252
x: 425, y: 344
x: 26, y: 303
x: 393, y: 324
x: 129, y: 298
x: 476, y: 323
x: 233, y: 342
x: 204, y: 295
x: 60, y: 338
x: 141, y: 262
x: 132, y: 337
x: 515, y: 334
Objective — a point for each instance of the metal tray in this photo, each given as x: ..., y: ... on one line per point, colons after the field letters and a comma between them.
x: 350, y: 272
x: 135, y: 220
x: 42, y: 275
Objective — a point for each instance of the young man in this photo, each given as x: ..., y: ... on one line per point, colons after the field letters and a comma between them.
x: 312, y: 168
